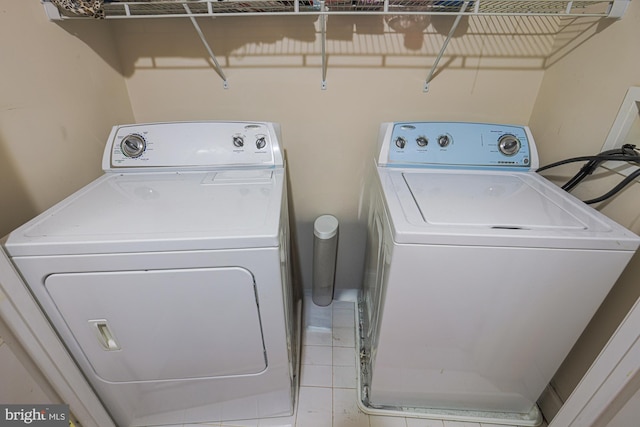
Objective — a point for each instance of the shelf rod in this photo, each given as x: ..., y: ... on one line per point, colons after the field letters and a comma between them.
x: 216, y: 65
x: 569, y: 7
x: 323, y: 32
x: 454, y: 27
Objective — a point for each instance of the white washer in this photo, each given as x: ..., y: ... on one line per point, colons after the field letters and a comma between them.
x: 480, y: 274
x: 168, y: 277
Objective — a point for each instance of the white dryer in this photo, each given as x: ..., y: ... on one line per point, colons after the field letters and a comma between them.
x: 480, y: 274
x: 168, y: 277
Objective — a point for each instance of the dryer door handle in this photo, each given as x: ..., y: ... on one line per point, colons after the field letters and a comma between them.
x: 104, y: 334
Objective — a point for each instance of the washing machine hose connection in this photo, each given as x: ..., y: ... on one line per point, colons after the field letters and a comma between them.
x: 627, y: 153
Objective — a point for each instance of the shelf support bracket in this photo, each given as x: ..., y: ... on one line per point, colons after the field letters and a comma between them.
x: 216, y: 65
x: 323, y: 33
x: 454, y: 27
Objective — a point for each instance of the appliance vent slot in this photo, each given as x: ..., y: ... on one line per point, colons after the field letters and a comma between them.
x: 507, y: 227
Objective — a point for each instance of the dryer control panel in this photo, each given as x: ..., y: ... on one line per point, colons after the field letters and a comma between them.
x: 457, y: 145
x: 193, y: 145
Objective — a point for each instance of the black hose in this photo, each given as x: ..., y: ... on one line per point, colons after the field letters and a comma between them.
x: 591, y: 166
x: 626, y: 181
x: 626, y: 153
x: 621, y: 158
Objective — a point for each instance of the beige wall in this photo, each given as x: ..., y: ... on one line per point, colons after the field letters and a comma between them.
x: 273, y: 65
x: 578, y: 101
x: 61, y: 90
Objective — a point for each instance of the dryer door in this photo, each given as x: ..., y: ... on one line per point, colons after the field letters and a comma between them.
x: 163, y: 324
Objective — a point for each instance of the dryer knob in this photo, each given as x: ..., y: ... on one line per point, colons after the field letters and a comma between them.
x: 400, y: 142
x: 133, y: 145
x: 238, y: 141
x: 261, y: 143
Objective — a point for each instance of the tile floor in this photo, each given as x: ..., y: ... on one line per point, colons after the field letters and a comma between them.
x: 327, y: 395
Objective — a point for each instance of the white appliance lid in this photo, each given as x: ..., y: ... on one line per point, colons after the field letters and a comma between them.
x: 137, y: 212
x: 493, y: 208
x: 487, y: 200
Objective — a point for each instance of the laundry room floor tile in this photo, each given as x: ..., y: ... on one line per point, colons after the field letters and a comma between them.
x: 344, y: 356
x: 317, y: 355
x: 316, y: 376
x: 278, y: 422
x: 318, y: 336
x: 382, y: 421
x: 344, y: 377
x: 421, y: 422
x: 315, y: 407
x: 344, y: 337
x: 345, y: 409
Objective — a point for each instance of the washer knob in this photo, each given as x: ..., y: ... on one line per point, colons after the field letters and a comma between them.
x: 261, y: 143
x: 133, y: 145
x: 238, y: 141
x: 422, y: 141
x: 401, y: 142
x: 444, y: 140
x: 509, y: 145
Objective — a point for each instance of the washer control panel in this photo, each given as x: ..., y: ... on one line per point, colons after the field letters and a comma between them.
x: 193, y: 145
x: 457, y: 145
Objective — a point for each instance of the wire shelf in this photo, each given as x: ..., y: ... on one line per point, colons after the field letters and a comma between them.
x: 192, y: 9
x: 116, y: 9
